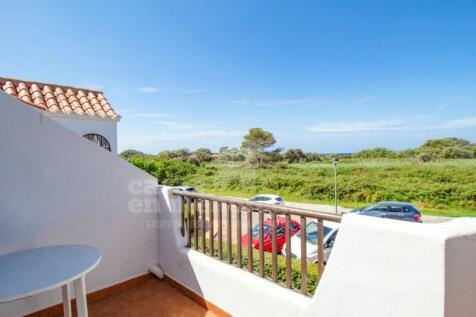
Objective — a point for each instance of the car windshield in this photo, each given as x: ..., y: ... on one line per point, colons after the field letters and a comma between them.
x: 255, y: 232
x: 260, y: 198
x: 311, y: 232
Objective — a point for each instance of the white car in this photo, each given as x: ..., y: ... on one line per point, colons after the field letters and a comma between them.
x: 189, y: 189
x: 330, y: 234
x: 268, y: 199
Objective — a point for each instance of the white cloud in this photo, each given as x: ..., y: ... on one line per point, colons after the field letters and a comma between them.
x: 217, y: 133
x: 194, y: 135
x: 463, y: 123
x: 272, y: 103
x: 153, y: 142
x: 148, y: 89
x: 395, y: 125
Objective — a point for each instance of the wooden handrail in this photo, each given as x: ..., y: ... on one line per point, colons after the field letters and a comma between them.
x: 284, y: 210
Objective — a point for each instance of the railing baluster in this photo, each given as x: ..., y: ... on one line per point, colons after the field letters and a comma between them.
x: 220, y: 234
x: 210, y: 207
x: 189, y: 222
x: 261, y: 243
x: 204, y: 242
x: 289, y: 281
x: 182, y: 217
x: 320, y: 246
x: 250, y: 239
x: 303, y: 256
x: 275, y: 248
x: 195, y: 220
x: 238, y: 235
x: 228, y: 233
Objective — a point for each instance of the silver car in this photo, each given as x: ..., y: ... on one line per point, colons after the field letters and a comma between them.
x: 268, y: 199
x: 330, y: 233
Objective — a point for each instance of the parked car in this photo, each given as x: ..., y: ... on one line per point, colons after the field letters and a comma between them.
x: 391, y: 210
x: 268, y: 199
x: 267, y: 234
x: 330, y: 234
x: 189, y: 189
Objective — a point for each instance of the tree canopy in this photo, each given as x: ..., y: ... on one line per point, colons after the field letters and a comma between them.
x: 256, y: 141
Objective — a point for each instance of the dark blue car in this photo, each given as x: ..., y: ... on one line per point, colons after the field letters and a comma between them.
x: 391, y: 210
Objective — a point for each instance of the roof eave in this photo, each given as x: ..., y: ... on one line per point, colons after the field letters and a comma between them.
x: 74, y: 115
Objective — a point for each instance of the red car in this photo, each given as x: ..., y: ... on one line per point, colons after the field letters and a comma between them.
x: 267, y: 238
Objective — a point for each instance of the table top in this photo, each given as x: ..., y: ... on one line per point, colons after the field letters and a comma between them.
x: 29, y: 272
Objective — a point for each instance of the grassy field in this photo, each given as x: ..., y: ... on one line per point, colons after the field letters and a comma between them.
x: 446, y: 187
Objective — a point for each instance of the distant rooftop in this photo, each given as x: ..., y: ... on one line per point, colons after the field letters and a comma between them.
x: 60, y: 99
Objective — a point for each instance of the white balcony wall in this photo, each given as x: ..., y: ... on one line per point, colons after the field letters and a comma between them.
x: 382, y: 267
x: 59, y: 188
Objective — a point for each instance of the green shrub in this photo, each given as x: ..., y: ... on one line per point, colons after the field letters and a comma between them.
x: 379, y: 152
x: 427, y: 157
x: 454, y: 152
x: 167, y: 171
x: 127, y: 154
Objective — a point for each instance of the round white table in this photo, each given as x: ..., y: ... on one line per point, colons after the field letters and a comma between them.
x: 33, y: 271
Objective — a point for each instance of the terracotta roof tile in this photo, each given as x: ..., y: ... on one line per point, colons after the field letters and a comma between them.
x: 59, y: 99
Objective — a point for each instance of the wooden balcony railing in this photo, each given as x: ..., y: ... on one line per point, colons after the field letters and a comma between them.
x: 226, y: 215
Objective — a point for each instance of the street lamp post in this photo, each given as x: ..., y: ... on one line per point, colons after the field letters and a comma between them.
x: 334, y: 161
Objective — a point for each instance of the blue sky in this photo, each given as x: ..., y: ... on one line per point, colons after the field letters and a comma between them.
x: 334, y: 76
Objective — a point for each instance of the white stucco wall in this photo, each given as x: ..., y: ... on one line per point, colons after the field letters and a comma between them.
x: 57, y: 188
x: 83, y: 125
x: 383, y: 267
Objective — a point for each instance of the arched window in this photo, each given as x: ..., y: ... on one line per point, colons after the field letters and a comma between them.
x: 99, y: 140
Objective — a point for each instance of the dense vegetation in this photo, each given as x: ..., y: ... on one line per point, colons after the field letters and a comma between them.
x: 439, y: 176
x: 447, y: 148
x: 443, y: 187
x: 168, y: 172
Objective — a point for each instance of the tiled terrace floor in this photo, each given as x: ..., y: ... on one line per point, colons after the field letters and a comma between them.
x: 152, y: 298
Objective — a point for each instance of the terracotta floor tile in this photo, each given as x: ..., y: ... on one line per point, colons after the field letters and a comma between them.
x: 153, y: 298
x: 105, y: 308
